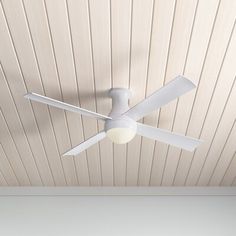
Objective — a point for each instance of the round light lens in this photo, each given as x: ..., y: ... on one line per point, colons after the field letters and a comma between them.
x: 121, y: 135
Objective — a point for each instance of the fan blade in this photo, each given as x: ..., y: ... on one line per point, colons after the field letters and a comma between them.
x: 86, y: 144
x: 168, y: 137
x: 55, y: 103
x: 164, y: 95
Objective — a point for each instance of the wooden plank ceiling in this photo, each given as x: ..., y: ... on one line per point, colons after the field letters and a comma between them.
x: 76, y: 50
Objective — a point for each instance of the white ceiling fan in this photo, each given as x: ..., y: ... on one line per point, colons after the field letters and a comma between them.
x: 121, y: 125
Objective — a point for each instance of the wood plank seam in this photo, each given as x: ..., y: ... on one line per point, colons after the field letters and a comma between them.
x: 167, y: 60
x: 211, y: 100
x: 220, y: 154
x: 183, y: 72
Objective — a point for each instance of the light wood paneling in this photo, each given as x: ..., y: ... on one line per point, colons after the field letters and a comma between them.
x: 159, y: 49
x: 141, y: 28
x: 101, y: 56
x: 3, y: 182
x: 204, y: 16
x: 229, y: 177
x: 120, y: 54
x: 215, y: 128
x: 81, y: 41
x: 178, y: 51
x: 224, y: 159
x: 76, y: 50
x: 9, y: 144
x: 6, y: 169
x: 38, y: 25
x: 214, y: 58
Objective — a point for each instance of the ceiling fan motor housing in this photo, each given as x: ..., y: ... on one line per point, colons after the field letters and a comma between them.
x: 122, y: 122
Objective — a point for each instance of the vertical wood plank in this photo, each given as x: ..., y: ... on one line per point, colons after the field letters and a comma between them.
x: 120, y: 48
x: 12, y: 153
x: 17, y: 84
x: 141, y: 33
x: 162, y: 24
x: 3, y: 182
x: 6, y: 168
x: 229, y: 177
x: 200, y: 36
x: 81, y: 38
x: 99, y: 13
x: 175, y: 66
x: 38, y: 26
x: 214, y: 57
x: 220, y: 97
x: 9, y: 63
x: 225, y: 158
x: 216, y: 139
x: 57, y: 16
x: 217, y: 135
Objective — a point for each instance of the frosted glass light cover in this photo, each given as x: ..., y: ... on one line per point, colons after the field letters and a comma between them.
x: 121, y: 135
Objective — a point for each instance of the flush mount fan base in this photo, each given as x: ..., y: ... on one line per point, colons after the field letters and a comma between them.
x: 114, y: 92
x: 120, y: 100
